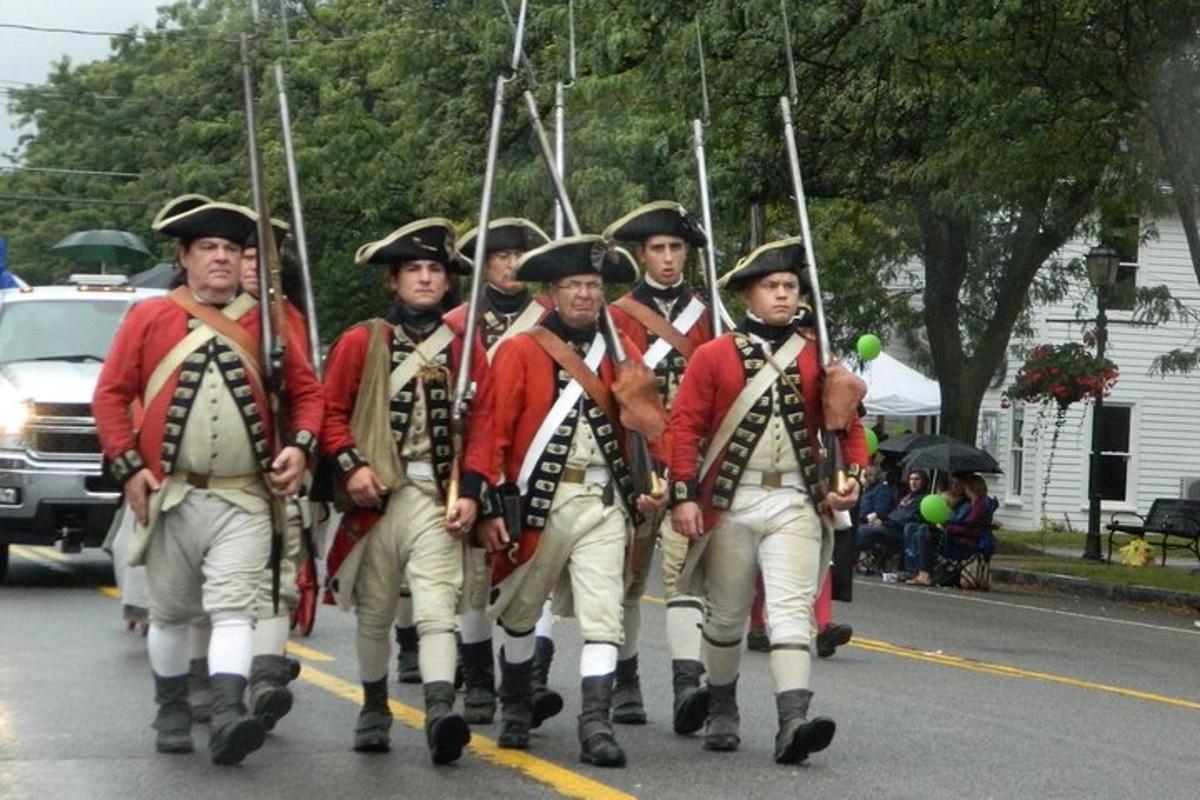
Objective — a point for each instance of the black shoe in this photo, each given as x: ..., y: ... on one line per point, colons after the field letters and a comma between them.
x: 691, y: 698
x: 446, y: 732
x: 200, y: 696
x: 597, y: 743
x: 722, y: 731
x: 833, y: 637
x: 627, y: 705
x: 758, y: 641
x: 798, y: 736
x: 546, y: 702
x: 174, y: 719
x: 372, y: 731
x: 270, y: 698
x: 479, y: 701
x: 408, y: 661
x: 235, y: 733
x: 516, y: 705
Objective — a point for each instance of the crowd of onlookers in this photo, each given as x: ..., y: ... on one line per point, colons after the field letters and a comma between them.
x: 894, y: 537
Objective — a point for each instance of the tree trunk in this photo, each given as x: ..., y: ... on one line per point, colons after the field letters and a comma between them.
x: 964, y: 369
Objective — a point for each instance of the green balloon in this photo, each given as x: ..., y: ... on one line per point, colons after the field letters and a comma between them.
x: 872, y: 442
x: 869, y: 347
x: 935, y: 509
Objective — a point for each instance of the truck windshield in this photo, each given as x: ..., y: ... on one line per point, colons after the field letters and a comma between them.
x: 70, y: 330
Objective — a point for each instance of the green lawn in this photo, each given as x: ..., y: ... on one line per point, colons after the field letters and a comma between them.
x: 1022, y: 550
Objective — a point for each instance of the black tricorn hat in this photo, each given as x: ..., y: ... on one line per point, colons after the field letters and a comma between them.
x: 785, y: 255
x: 506, y: 233
x: 178, y: 205
x: 586, y: 254
x: 222, y: 220
x: 429, y: 239
x: 280, y: 228
x: 660, y: 218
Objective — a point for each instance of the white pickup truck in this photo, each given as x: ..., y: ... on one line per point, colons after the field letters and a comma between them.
x: 53, y: 340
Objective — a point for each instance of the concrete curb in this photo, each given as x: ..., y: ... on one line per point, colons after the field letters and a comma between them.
x: 1101, y: 589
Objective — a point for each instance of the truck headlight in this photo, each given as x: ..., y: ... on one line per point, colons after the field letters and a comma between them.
x: 14, y: 413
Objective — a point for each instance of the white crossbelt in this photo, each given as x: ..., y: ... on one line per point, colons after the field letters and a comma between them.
x: 569, y: 397
x: 792, y: 479
x: 683, y: 323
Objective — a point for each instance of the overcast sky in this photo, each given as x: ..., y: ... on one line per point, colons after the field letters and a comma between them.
x: 25, y: 56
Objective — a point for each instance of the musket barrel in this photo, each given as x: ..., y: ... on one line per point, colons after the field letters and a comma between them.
x: 710, y: 250
x: 789, y: 133
x: 560, y: 154
x: 293, y: 175
x: 560, y: 189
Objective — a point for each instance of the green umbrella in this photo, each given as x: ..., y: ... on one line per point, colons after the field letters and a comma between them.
x: 103, y: 247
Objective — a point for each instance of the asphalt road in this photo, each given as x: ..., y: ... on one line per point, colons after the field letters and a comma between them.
x: 943, y: 694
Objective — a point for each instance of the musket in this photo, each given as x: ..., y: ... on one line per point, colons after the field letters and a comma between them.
x: 308, y: 570
x: 832, y: 464
x: 458, y: 408
x: 646, y: 478
x: 560, y: 115
x: 708, y: 257
x: 271, y: 314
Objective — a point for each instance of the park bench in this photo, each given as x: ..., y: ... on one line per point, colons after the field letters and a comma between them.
x: 1176, y: 523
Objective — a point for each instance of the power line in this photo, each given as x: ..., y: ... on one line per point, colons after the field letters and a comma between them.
x: 66, y: 171
x: 69, y: 200
x: 145, y: 33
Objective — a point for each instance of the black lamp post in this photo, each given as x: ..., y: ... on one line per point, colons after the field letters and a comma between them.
x: 1102, y: 265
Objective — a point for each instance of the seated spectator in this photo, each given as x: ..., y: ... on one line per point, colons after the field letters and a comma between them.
x: 886, y: 531
x: 878, y: 498
x: 969, y: 521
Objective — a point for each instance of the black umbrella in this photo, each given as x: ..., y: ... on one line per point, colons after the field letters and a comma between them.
x: 910, y: 442
x: 952, y: 456
x: 103, y: 248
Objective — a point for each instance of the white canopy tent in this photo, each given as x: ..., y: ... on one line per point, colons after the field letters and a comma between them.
x: 896, y: 389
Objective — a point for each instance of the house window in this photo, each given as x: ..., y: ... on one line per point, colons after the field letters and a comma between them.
x: 1116, y: 424
x: 1016, y: 452
x: 1123, y: 234
x: 989, y: 432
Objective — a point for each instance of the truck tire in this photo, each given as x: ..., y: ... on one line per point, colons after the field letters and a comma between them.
x: 3, y: 560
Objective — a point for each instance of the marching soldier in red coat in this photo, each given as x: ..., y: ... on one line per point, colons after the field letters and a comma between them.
x: 199, y: 473
x: 745, y: 490
x: 569, y: 494
x: 389, y: 385
x: 667, y: 322
x: 506, y: 308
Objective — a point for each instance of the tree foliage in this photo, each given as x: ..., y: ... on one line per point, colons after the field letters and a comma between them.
x: 975, y: 137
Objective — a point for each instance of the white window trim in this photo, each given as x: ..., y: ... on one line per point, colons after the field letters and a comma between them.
x: 1131, y: 482
x: 1017, y: 500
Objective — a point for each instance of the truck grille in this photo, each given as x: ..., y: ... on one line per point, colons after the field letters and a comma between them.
x: 52, y: 442
x: 62, y: 410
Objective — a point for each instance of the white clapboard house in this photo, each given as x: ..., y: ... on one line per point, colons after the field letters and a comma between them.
x: 1151, y: 439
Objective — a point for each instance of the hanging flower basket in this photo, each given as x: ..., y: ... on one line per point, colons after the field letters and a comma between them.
x: 1063, y: 374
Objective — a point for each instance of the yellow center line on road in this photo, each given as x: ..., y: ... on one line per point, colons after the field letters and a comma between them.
x: 1004, y: 670
x: 307, y: 653
x: 44, y: 555
x: 560, y: 779
x: 990, y: 668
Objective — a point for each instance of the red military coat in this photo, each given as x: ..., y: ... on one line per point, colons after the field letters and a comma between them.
x: 523, y: 389
x: 456, y: 317
x: 344, y: 371
x: 148, y: 333
x: 342, y: 377
x: 698, y: 334
x: 715, y: 377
